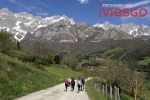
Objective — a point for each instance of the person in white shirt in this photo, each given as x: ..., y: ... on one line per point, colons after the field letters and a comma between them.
x: 79, y: 83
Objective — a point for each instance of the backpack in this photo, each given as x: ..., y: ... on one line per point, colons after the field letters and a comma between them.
x: 66, y: 82
x: 83, y: 81
x: 73, y: 82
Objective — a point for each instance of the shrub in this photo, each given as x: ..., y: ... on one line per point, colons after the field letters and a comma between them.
x: 69, y: 61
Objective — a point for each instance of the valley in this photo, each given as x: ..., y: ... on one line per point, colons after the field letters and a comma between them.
x: 38, y: 53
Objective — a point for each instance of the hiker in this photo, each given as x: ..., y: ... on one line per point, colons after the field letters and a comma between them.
x: 69, y: 80
x: 79, y: 84
x: 72, y: 84
x: 82, y: 84
x: 66, y: 83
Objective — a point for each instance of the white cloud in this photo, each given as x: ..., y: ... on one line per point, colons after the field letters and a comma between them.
x: 142, y: 3
x: 147, y: 18
x: 83, y: 1
x: 131, y: 18
x: 20, y: 5
x: 126, y: 19
x: 36, y: 7
x: 41, y: 3
x: 42, y: 14
x: 12, y: 1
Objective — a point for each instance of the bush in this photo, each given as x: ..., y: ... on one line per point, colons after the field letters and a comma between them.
x: 37, y: 61
x: 50, y: 58
x: 69, y: 61
x: 114, y: 52
x: 57, y: 59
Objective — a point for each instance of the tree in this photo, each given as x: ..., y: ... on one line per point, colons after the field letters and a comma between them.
x: 18, y: 45
x: 137, y: 84
x: 57, y: 59
x: 69, y: 61
x: 116, y: 71
x: 6, y: 42
x: 144, y: 66
x: 50, y: 58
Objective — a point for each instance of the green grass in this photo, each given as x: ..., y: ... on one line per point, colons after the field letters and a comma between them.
x: 126, y: 97
x: 147, y: 91
x: 145, y: 61
x: 58, y: 70
x: 94, y: 95
x: 113, y: 53
x: 18, y: 78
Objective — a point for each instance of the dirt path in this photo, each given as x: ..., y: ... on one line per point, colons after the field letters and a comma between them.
x: 56, y: 93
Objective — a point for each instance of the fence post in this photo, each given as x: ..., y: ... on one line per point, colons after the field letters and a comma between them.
x: 95, y: 86
x: 100, y: 86
x: 92, y: 84
x: 111, y: 92
x: 103, y: 89
x: 106, y: 89
x: 115, y: 91
x: 118, y: 94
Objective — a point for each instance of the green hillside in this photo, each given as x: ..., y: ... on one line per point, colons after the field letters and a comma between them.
x: 18, y: 78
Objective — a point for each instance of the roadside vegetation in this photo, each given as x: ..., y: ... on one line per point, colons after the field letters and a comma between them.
x: 22, y: 72
x: 93, y: 94
x: 18, y: 78
x: 126, y: 70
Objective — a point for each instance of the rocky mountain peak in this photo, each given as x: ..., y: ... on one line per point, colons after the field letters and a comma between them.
x: 19, y: 24
x: 130, y: 28
x: 63, y: 28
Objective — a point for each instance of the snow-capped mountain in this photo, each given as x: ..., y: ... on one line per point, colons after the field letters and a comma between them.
x: 65, y: 29
x: 130, y: 28
x: 19, y: 24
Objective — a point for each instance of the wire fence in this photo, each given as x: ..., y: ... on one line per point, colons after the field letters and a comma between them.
x: 111, y: 92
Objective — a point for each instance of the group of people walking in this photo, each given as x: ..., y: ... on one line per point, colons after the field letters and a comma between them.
x: 80, y: 83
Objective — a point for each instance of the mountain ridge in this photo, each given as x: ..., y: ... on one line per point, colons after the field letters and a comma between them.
x: 19, y: 24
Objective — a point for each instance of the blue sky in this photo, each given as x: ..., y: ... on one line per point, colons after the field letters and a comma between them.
x: 79, y: 10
